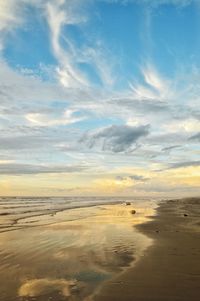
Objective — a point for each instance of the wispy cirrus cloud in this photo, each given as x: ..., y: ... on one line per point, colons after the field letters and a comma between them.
x: 155, y: 87
x: 58, y: 17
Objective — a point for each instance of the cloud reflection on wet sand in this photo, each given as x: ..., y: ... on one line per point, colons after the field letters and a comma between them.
x: 70, y: 260
x: 38, y: 287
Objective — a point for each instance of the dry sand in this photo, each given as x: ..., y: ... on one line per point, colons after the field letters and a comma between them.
x: 170, y: 268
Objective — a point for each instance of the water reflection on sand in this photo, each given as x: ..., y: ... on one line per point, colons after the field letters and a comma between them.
x: 70, y: 258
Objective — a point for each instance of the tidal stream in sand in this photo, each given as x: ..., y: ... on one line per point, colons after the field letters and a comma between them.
x: 64, y: 249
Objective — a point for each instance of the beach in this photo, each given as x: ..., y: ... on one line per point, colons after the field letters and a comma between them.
x: 170, y: 269
x: 105, y: 250
x: 99, y: 150
x: 66, y: 249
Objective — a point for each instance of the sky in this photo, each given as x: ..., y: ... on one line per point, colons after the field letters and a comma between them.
x: 100, y: 97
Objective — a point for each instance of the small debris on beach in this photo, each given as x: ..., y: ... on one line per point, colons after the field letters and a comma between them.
x: 185, y: 214
x: 128, y: 203
x: 133, y: 211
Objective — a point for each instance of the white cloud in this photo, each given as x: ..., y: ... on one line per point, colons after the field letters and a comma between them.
x: 10, y: 14
x: 188, y: 125
x: 153, y: 79
x: 98, y: 57
x: 10, y: 17
x: 143, y: 92
x: 13, y: 14
x: 15, y: 87
x: 155, y: 86
x: 39, y: 119
x: 59, y: 15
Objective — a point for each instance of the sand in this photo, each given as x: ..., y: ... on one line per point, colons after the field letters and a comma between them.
x: 103, y: 252
x: 170, y: 268
x: 69, y: 255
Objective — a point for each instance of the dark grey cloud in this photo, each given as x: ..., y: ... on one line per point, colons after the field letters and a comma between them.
x: 138, y: 178
x: 169, y: 189
x: 169, y: 148
x: 195, y: 137
x: 133, y: 177
x: 21, y: 169
x: 141, y: 105
x: 115, y: 138
x: 184, y: 164
x: 195, y: 113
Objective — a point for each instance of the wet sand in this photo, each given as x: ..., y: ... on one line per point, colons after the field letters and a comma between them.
x: 170, y: 269
x: 69, y: 255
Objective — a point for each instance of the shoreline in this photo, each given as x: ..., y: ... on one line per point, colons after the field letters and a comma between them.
x: 169, y: 270
x: 15, y: 222
x: 15, y: 219
x: 100, y: 238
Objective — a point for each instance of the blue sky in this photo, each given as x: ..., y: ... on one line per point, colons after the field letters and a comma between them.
x: 99, y: 97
